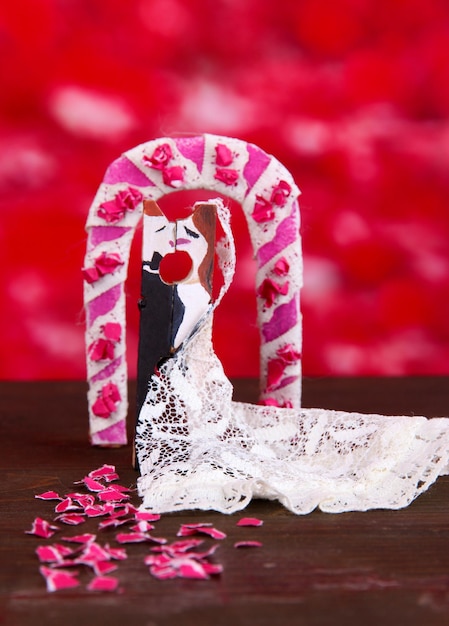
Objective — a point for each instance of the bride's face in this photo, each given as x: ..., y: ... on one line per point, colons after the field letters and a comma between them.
x: 190, y: 240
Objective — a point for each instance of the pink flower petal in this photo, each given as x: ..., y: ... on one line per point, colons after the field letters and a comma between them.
x: 66, y: 505
x: 123, y: 489
x: 84, y: 538
x: 189, y: 568
x: 226, y: 176
x: 110, y: 494
x: 72, y: 519
x: 103, y: 583
x: 149, y: 517
x: 249, y: 521
x: 131, y: 537
x: 103, y: 567
x: 163, y: 572
x: 118, y: 554
x: 94, y: 552
x: 52, y: 554
x: 64, y: 550
x: 178, y: 547
x: 212, y: 568
x: 201, y: 556
x: 105, y: 471
x: 142, y: 526
x: 96, y: 510
x: 42, y: 528
x: 49, y: 495
x: 113, y: 522
x: 248, y: 544
x: 159, y: 540
x: 93, y: 485
x: 156, y: 559
x: 59, y: 579
x: 206, y: 529
x: 224, y: 155
x: 214, y: 533
x: 83, y: 499
x: 164, y: 567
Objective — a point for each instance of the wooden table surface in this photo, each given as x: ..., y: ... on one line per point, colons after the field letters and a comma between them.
x: 373, y: 568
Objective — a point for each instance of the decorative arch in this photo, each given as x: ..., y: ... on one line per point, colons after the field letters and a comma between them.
x: 269, y: 198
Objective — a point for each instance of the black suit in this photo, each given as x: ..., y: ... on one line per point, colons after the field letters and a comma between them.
x: 161, y: 314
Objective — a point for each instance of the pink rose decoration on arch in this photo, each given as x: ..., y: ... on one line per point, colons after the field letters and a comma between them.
x: 114, y: 210
x: 102, y: 349
x: 113, y: 331
x: 160, y: 158
x: 270, y: 289
x: 172, y: 176
x: 224, y: 156
x: 107, y: 401
x: 281, y: 267
x: 276, y: 368
x: 280, y: 193
x: 226, y: 175
x: 288, y: 354
x: 106, y: 263
x: 264, y: 209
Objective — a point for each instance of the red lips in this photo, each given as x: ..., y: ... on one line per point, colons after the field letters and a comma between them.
x: 175, y: 267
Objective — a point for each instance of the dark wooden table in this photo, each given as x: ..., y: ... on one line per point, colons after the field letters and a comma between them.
x: 374, y: 568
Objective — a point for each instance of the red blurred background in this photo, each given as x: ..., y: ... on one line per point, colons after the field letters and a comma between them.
x: 352, y: 96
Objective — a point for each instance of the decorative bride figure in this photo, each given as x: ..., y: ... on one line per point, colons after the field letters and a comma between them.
x: 177, y: 269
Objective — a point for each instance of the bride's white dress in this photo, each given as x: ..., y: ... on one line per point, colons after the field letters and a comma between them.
x: 198, y: 449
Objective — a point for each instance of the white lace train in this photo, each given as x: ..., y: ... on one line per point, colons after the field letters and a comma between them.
x: 198, y: 449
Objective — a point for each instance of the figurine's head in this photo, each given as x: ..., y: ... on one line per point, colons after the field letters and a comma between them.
x: 181, y: 251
